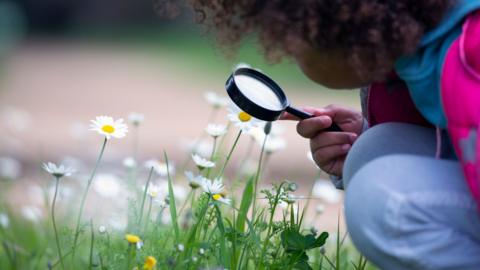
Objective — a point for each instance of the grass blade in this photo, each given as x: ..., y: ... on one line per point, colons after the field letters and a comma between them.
x: 247, y: 199
x: 171, y: 196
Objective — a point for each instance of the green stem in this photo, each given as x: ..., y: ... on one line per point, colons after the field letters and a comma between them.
x: 57, y: 179
x: 92, y: 239
x: 257, y: 176
x: 270, y: 224
x: 84, y: 197
x: 130, y: 254
x: 135, y: 143
x: 245, y: 159
x: 224, y: 137
x: 185, y: 202
x: 142, y: 206
x: 230, y: 154
x: 148, y: 214
x: 212, y: 156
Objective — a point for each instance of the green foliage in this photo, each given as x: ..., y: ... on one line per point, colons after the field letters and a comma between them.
x: 212, y: 232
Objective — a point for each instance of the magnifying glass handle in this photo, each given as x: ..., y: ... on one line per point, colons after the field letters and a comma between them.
x: 305, y: 115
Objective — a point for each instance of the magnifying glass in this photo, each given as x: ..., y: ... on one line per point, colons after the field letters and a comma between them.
x: 258, y: 95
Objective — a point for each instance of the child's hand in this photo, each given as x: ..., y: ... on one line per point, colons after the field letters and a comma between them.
x: 329, y: 149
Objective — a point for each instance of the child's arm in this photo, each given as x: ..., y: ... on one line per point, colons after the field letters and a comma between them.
x: 329, y: 149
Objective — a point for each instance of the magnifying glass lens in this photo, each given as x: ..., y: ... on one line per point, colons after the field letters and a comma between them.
x: 261, y: 97
x: 258, y: 92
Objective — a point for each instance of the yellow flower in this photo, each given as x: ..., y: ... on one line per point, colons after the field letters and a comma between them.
x: 150, y: 263
x: 132, y: 239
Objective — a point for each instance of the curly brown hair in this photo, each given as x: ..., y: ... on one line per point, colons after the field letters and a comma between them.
x: 370, y: 33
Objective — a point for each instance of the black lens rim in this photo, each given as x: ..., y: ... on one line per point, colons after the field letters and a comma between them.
x: 246, y: 104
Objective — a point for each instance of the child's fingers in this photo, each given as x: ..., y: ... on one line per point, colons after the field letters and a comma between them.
x: 335, y: 167
x: 324, y: 139
x: 308, y: 128
x: 325, y: 155
x: 288, y: 116
x: 312, y: 110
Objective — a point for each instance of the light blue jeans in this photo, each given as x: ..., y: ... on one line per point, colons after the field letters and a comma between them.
x: 404, y: 208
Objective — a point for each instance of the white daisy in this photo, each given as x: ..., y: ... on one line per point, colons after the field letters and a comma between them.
x: 201, y: 162
x: 105, y: 125
x: 216, y: 130
x: 4, y: 220
x: 216, y: 189
x: 139, y: 245
x: 196, y: 146
x: 153, y: 190
x: 213, y: 186
x: 256, y: 133
x: 107, y: 185
x: 324, y: 190
x: 31, y: 213
x: 160, y: 168
x: 241, y: 119
x: 216, y: 100
x: 194, y: 181
x: 9, y: 168
x: 275, y: 144
x: 102, y: 229
x: 136, y: 118
x: 277, y: 129
x: 57, y: 171
x: 289, y: 198
x: 129, y: 162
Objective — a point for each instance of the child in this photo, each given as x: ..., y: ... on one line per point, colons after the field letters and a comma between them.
x: 407, y: 203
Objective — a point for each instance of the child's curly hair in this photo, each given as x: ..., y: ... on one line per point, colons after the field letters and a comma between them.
x: 370, y: 33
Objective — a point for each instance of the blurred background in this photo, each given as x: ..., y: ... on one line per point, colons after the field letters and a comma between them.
x: 63, y: 62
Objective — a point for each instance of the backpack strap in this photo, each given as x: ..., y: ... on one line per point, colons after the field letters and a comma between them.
x: 460, y: 92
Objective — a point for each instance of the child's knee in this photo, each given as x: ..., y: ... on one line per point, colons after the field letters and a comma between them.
x: 372, y: 211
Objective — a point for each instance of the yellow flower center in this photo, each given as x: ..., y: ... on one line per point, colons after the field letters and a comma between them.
x: 216, y: 197
x: 150, y: 263
x: 108, y: 129
x: 244, y: 117
x: 132, y: 239
x: 153, y: 193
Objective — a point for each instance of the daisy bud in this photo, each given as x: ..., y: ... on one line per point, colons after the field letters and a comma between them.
x: 292, y: 187
x: 180, y: 247
x: 268, y: 128
x: 167, y: 200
